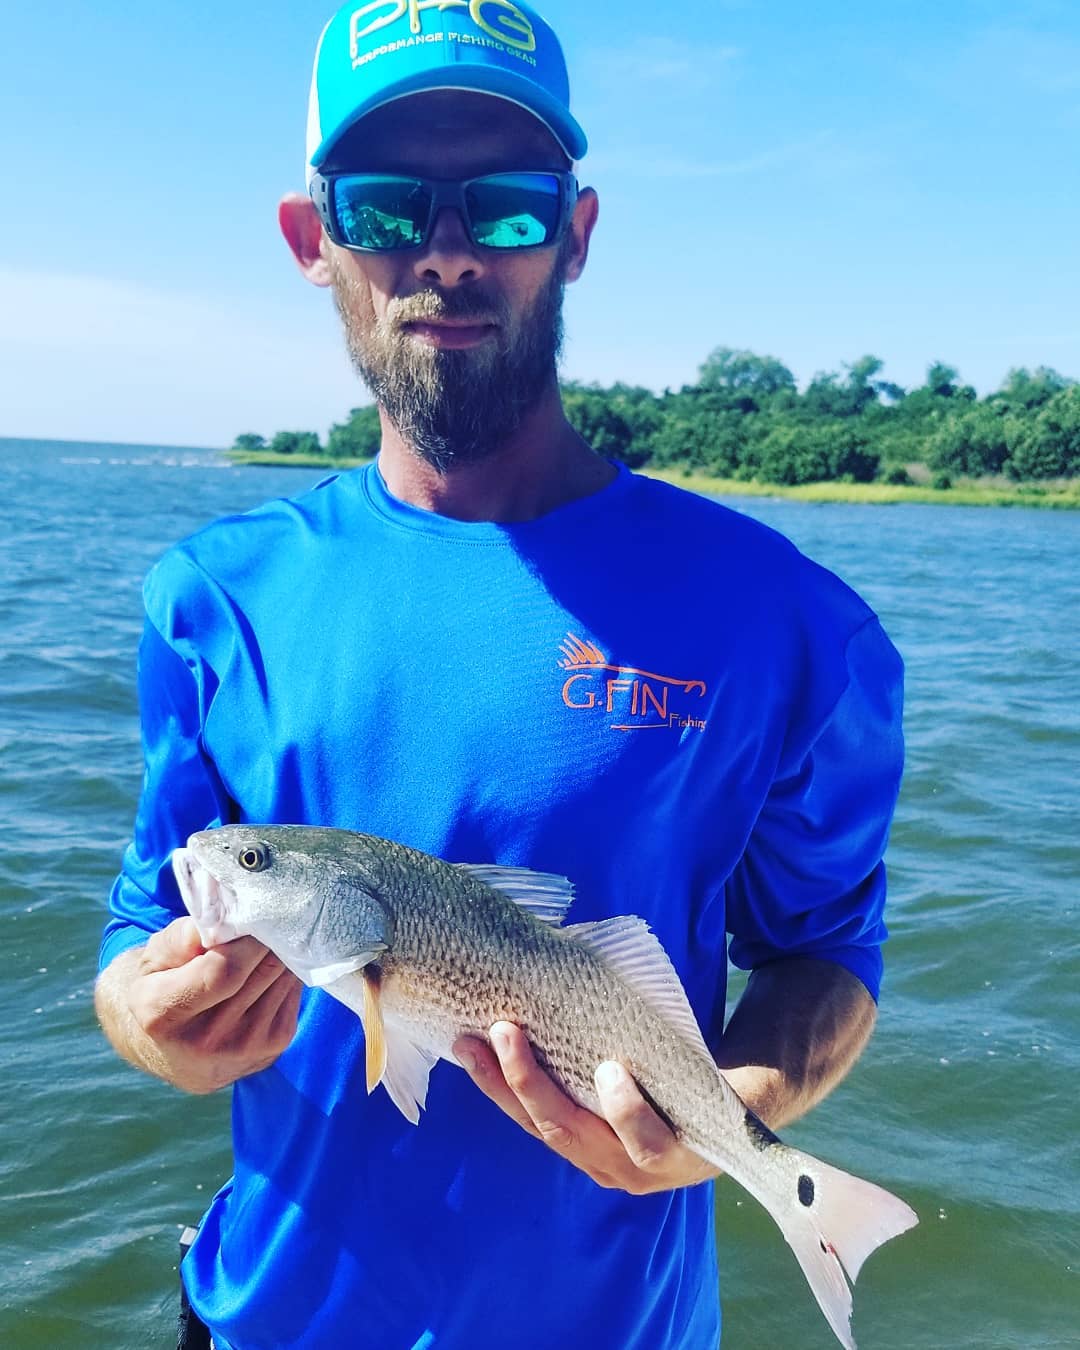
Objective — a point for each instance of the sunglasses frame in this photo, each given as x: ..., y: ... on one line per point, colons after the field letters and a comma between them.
x: 445, y: 192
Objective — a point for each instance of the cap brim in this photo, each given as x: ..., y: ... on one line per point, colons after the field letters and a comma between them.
x: 480, y: 80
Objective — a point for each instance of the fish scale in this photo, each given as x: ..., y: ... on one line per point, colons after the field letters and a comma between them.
x: 427, y: 951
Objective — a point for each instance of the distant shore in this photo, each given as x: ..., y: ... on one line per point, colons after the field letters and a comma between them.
x: 1064, y: 496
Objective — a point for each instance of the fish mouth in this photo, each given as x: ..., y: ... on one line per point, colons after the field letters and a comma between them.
x: 206, y: 899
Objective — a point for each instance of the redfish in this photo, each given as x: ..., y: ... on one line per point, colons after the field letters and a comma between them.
x: 426, y: 951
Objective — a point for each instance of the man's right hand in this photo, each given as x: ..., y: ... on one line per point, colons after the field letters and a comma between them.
x: 198, y: 1018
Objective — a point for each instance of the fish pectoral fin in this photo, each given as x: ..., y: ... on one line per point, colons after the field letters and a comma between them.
x: 408, y: 1068
x: 634, y: 952
x: 322, y: 976
x: 374, y: 1033
x: 545, y: 895
x: 392, y: 1057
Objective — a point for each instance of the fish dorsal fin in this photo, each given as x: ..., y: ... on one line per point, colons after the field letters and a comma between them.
x: 634, y: 953
x: 545, y: 895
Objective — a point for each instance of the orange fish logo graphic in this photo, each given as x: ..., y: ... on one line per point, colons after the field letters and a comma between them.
x: 640, y: 699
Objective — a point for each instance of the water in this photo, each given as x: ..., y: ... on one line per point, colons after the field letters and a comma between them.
x: 965, y: 1102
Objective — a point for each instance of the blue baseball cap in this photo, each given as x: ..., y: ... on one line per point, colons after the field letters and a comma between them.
x: 372, y: 54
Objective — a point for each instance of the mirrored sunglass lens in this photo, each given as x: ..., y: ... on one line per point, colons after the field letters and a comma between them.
x: 513, y: 210
x: 381, y: 213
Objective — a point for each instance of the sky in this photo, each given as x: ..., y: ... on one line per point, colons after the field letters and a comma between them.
x: 815, y: 182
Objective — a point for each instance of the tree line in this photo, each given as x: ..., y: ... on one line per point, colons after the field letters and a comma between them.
x: 746, y: 418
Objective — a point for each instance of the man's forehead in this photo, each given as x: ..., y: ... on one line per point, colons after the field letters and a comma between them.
x: 451, y: 120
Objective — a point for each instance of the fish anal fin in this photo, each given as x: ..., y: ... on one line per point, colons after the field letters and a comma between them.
x: 629, y: 947
x: 408, y: 1068
x: 392, y: 1056
x: 543, y: 894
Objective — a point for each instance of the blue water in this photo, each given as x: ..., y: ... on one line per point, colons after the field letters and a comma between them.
x: 966, y: 1102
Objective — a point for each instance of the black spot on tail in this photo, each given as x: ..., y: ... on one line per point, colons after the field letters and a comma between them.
x: 806, y: 1190
x: 760, y: 1135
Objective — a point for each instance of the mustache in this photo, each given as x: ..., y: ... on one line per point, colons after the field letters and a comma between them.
x: 471, y: 306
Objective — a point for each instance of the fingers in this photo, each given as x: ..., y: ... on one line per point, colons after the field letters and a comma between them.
x: 482, y: 1066
x: 632, y: 1148
x: 173, y: 946
x: 645, y: 1137
x: 205, y: 980
x: 262, y: 980
x: 283, y: 1025
x: 650, y: 1144
x: 257, y: 1012
x: 263, y: 1026
x: 558, y: 1121
x: 514, y: 1080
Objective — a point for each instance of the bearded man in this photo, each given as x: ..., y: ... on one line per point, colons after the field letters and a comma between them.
x: 493, y: 646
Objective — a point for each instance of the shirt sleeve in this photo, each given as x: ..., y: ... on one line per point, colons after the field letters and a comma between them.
x: 812, y: 879
x: 181, y: 793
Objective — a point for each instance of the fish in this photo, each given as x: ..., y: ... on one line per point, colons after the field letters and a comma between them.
x: 426, y: 951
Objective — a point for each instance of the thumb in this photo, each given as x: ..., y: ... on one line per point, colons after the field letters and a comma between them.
x: 174, y: 946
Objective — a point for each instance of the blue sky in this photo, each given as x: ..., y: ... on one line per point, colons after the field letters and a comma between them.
x: 811, y: 181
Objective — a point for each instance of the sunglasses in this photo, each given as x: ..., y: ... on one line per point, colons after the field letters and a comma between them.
x: 385, y: 212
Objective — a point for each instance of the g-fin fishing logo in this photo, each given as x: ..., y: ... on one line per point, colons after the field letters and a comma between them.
x: 502, y: 26
x: 637, y: 700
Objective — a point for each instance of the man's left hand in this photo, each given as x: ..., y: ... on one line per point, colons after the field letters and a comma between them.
x: 629, y: 1149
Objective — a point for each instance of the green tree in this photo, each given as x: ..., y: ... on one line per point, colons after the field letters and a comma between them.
x: 249, y: 440
x: 701, y: 438
x: 973, y: 441
x: 830, y: 395
x: 941, y: 396
x: 618, y: 422
x: 745, y: 418
x: 941, y: 379
x: 296, y: 443
x: 790, y: 452
x: 1023, y: 390
x: 357, y: 438
x: 742, y: 372
x: 1049, y: 445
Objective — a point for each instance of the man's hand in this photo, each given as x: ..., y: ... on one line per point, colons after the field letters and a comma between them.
x: 199, y: 1019
x: 631, y: 1149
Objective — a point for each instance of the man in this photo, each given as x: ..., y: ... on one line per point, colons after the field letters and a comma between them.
x: 493, y: 646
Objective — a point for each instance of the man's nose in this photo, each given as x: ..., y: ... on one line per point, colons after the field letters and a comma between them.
x: 449, y: 257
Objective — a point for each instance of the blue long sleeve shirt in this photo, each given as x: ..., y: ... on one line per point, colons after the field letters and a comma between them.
x: 642, y: 690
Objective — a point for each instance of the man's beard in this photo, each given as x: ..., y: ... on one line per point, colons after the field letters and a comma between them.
x: 454, y: 406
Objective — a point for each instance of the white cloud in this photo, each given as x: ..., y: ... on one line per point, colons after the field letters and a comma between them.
x: 102, y: 358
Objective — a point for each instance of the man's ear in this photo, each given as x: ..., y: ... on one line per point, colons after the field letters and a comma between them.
x: 582, y: 225
x: 303, y: 231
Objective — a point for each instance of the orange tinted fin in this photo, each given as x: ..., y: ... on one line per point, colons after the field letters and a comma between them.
x: 374, y: 1033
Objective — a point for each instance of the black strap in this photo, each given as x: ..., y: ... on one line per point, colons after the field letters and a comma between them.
x: 191, y: 1334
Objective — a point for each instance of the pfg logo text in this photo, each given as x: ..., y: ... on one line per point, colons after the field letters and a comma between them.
x: 500, y: 19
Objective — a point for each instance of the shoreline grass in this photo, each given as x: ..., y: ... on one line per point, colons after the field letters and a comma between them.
x: 266, y: 459
x: 964, y: 493
x: 1056, y: 496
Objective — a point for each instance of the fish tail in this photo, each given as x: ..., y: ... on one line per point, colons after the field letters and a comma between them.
x: 834, y: 1223
x: 831, y: 1220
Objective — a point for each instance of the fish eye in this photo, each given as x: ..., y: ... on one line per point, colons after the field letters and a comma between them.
x: 252, y: 858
